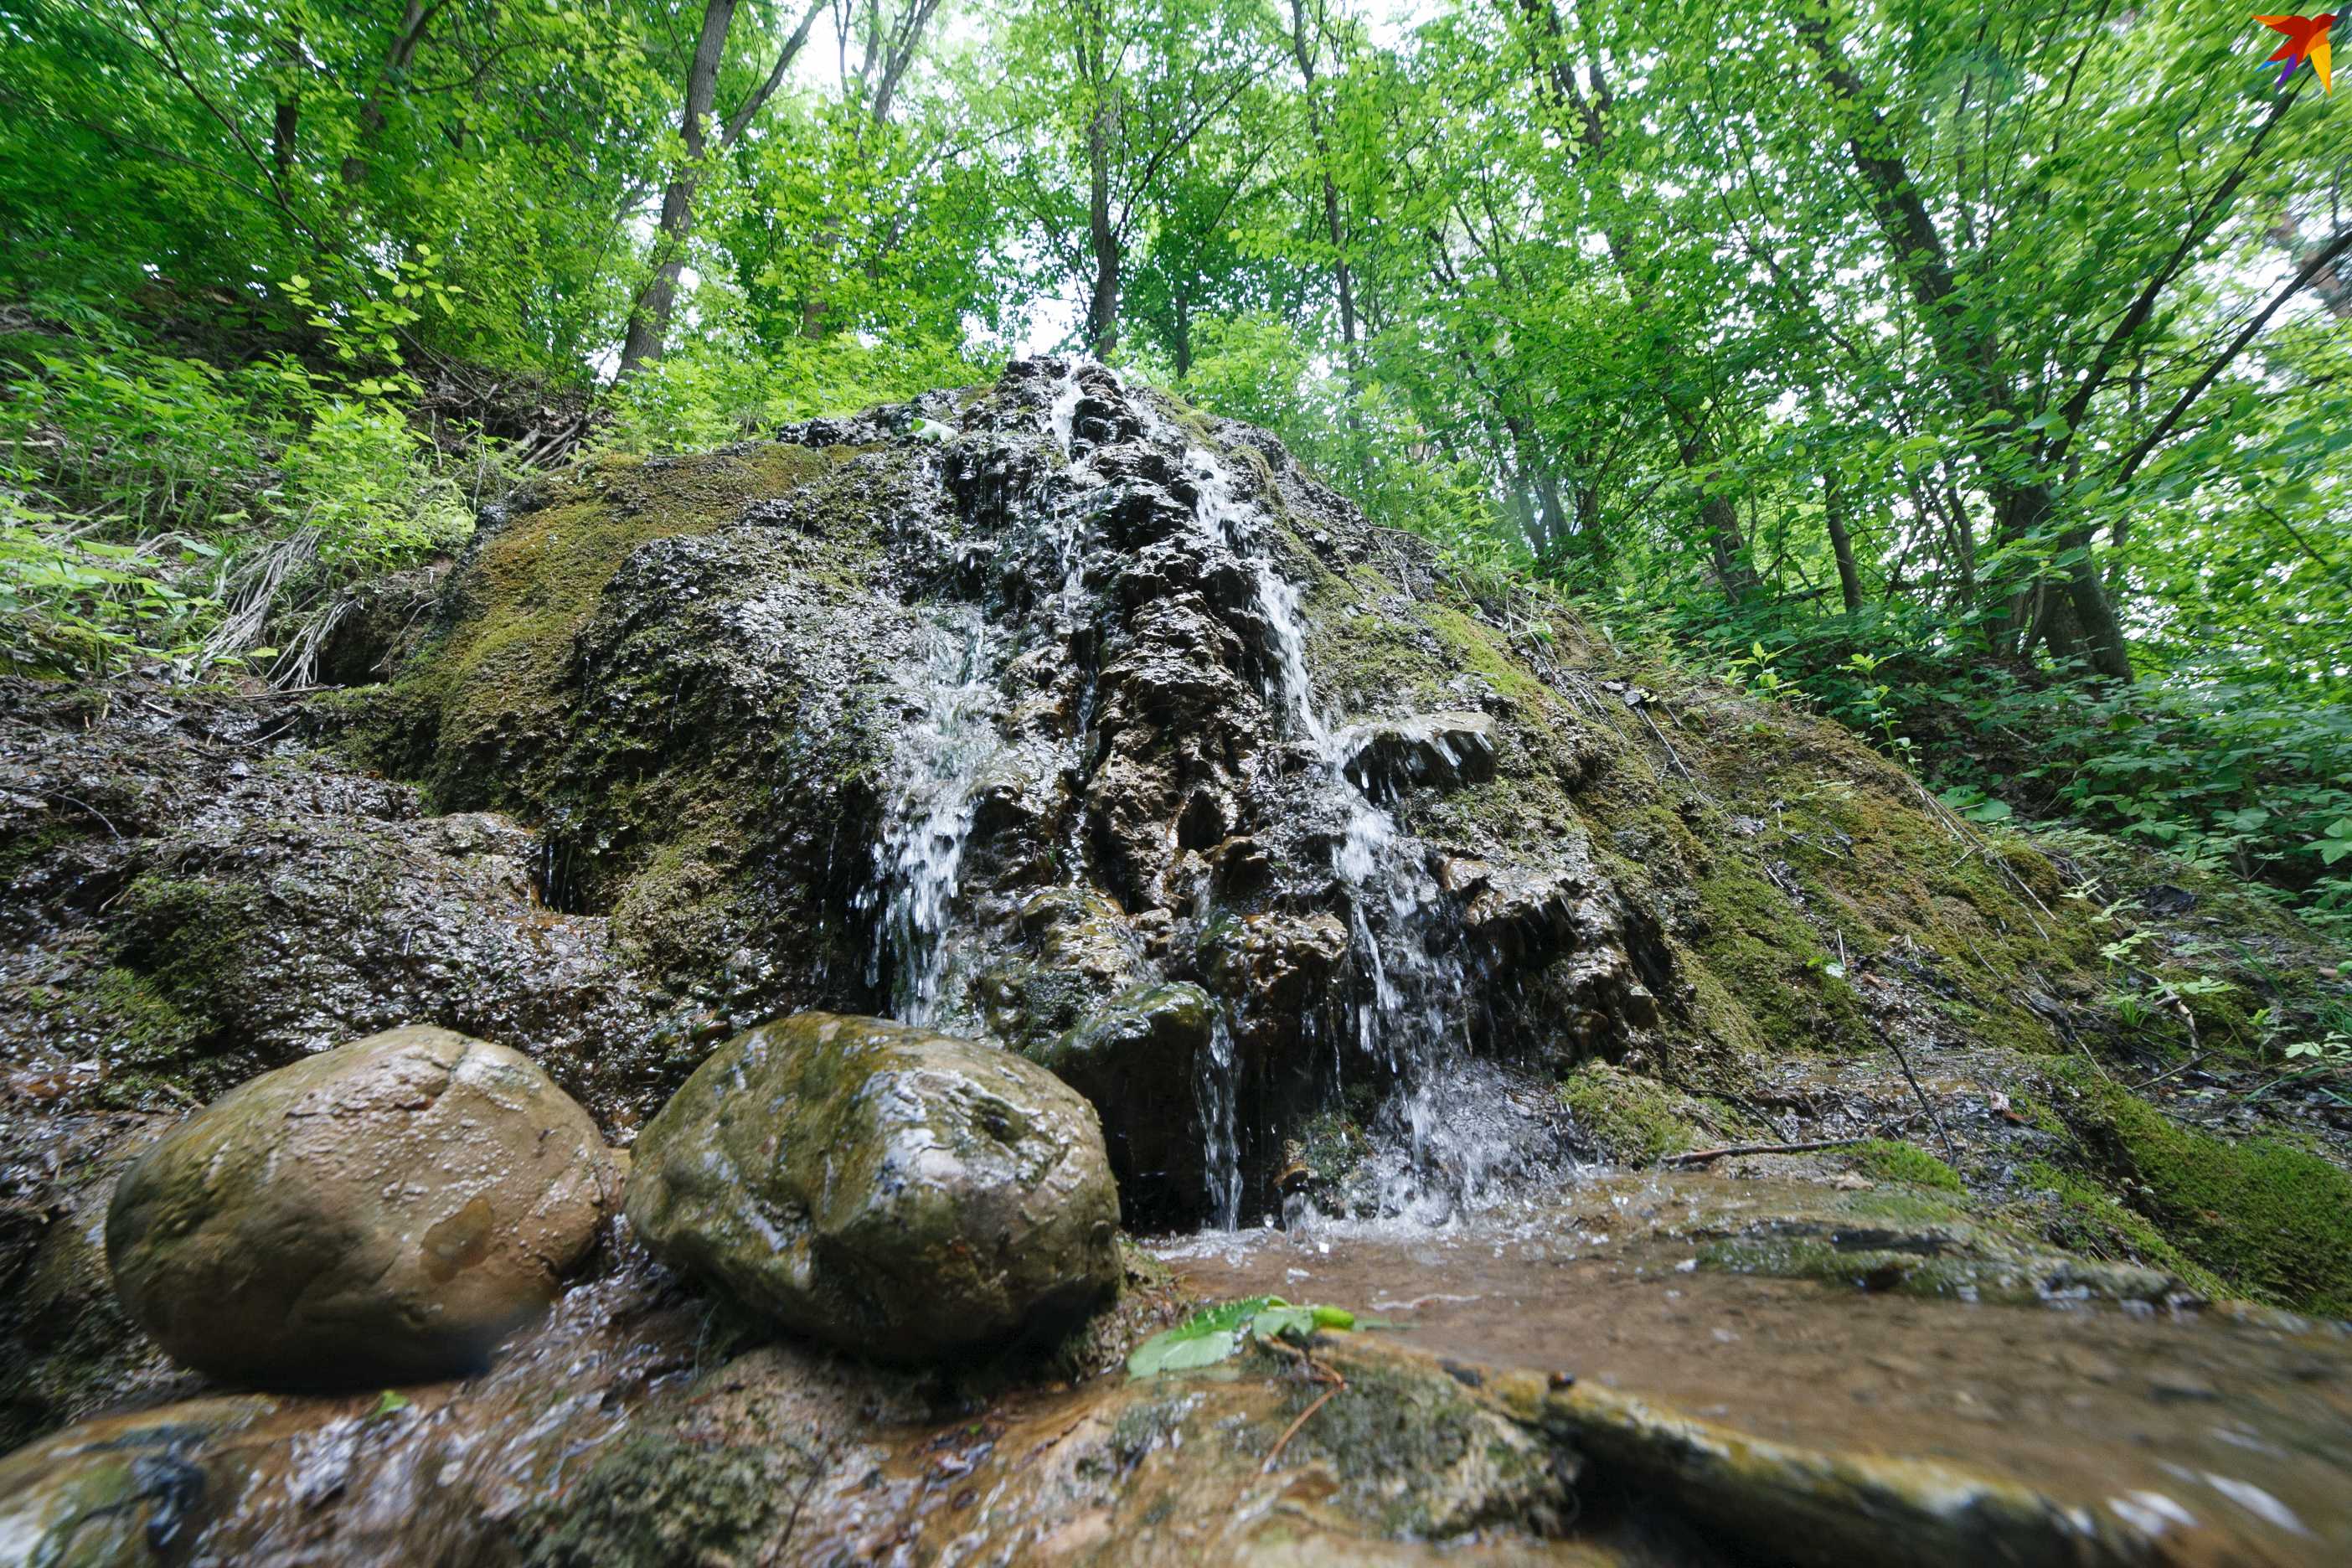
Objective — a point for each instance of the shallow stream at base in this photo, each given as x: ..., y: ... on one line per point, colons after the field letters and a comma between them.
x: 2233, y: 1431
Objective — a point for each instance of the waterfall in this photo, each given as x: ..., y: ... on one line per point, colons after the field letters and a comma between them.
x: 920, y: 854
x: 1220, y: 1125
x: 1411, y: 1003
x: 1407, y: 1001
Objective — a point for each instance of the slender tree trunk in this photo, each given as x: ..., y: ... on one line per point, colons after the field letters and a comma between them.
x: 415, y: 19
x: 1522, y: 501
x: 1841, y: 545
x: 1726, y: 543
x: 649, y: 321
x: 1727, y: 546
x: 1591, y: 541
x: 1969, y: 352
x: 648, y: 331
x: 283, y: 126
x: 1102, y: 304
x: 1343, y: 281
x: 1551, y: 516
x: 888, y: 52
x: 1964, y: 536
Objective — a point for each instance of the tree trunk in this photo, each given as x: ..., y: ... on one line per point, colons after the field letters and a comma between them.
x: 1685, y: 414
x: 1969, y: 352
x: 283, y: 126
x: 417, y: 16
x: 1343, y: 281
x: 1102, y: 304
x: 649, y: 321
x: 2027, y: 509
x: 1734, y: 573
x: 888, y: 53
x: 1551, y: 516
x: 648, y: 331
x: 1841, y: 545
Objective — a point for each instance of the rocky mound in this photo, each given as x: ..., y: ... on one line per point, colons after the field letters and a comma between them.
x: 1057, y: 717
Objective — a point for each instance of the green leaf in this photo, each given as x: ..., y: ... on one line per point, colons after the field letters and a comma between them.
x: 1183, y: 1348
x: 1209, y: 1337
x: 1284, y: 1322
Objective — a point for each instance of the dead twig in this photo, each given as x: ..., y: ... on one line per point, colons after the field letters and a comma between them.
x: 1952, y: 1151
x: 1320, y: 1373
x: 1708, y: 1156
x: 2168, y: 1072
x: 1292, y: 1431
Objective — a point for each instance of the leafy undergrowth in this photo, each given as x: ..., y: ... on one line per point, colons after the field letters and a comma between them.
x: 2244, y: 772
x: 155, y: 507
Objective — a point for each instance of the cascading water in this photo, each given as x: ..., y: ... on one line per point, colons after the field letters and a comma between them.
x: 1413, y: 997
x: 920, y: 854
x: 1406, y: 1007
x: 1220, y: 1120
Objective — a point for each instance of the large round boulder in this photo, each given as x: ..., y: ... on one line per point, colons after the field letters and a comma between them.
x: 893, y: 1191
x: 386, y: 1210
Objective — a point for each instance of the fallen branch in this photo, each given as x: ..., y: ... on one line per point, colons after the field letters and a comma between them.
x: 1951, y: 1152
x: 2172, y: 1071
x: 1707, y: 1156
x: 1320, y: 1373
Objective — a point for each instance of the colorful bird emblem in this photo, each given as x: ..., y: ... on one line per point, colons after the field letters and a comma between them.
x: 2307, y: 39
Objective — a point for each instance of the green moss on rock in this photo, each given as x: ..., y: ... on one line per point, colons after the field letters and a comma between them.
x: 2084, y: 1218
x: 1630, y: 1118
x: 486, y: 692
x: 1891, y: 1161
x: 2274, y: 1222
x: 658, y: 1499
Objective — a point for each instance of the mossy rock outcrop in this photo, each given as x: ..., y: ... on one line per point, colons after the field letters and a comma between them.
x: 819, y: 721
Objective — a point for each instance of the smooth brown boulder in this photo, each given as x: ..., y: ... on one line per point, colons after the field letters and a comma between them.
x: 384, y: 1211
x: 895, y: 1192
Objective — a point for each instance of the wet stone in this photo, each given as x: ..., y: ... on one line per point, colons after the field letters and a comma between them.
x: 1442, y: 750
x: 1134, y: 1060
x: 898, y: 1193
x: 118, y: 1493
x: 387, y: 1210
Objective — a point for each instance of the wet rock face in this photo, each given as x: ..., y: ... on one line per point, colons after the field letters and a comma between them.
x: 387, y: 1210
x: 828, y: 735
x: 882, y: 1188
x: 124, y: 1493
x: 1444, y: 749
x: 224, y: 901
x: 66, y: 1347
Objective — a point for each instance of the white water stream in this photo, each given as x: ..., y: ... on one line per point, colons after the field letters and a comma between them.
x: 1409, y: 1014
x: 1408, y: 1008
x: 918, y: 857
